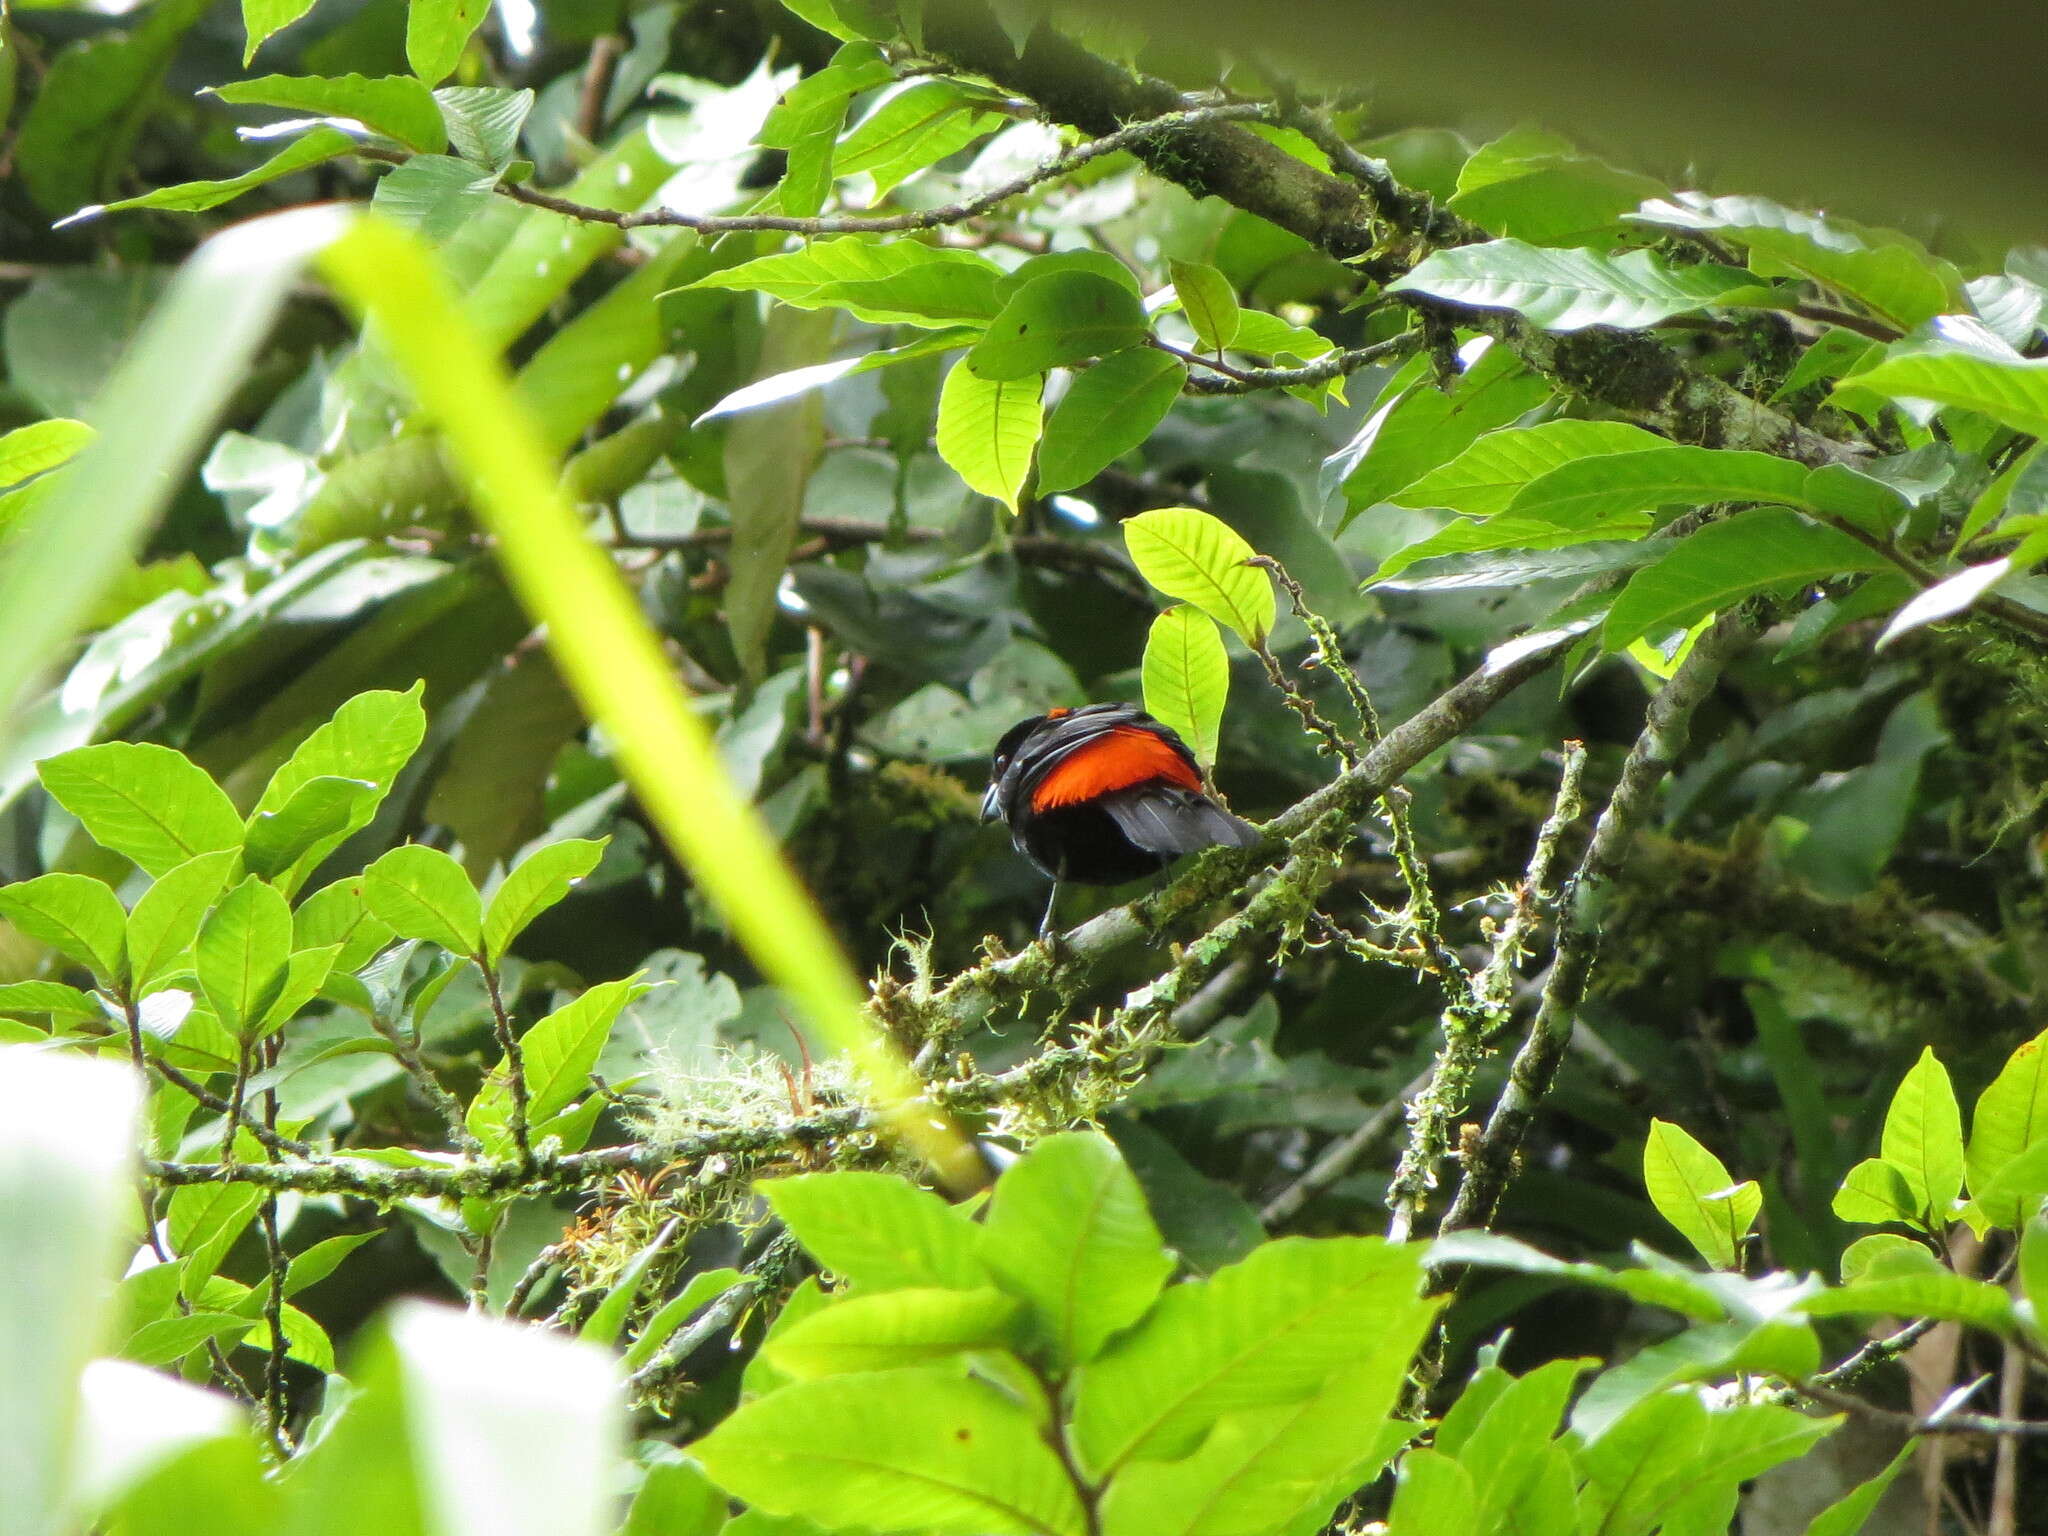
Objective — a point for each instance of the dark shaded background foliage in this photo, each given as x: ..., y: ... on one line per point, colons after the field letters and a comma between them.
x: 1847, y: 867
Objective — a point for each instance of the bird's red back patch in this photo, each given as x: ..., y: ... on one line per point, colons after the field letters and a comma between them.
x: 1121, y: 757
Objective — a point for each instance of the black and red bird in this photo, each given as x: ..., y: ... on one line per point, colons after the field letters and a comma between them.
x: 1104, y: 794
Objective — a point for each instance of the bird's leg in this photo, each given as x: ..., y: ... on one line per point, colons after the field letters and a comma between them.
x: 1046, y: 931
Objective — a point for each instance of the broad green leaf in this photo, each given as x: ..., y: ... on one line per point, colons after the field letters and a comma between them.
x: 676, y: 1499
x: 848, y: 19
x: 1692, y: 1190
x: 1469, y: 536
x: 142, y: 800
x: 436, y: 32
x: 1923, y: 1137
x: 314, y: 148
x: 1208, y: 301
x: 604, y: 1323
x: 1057, y: 321
x: 778, y: 387
x: 1268, y: 336
x: 424, y: 894
x: 243, y: 951
x: 169, y: 1339
x: 900, y: 282
x: 536, y: 883
x: 1267, y: 1469
x: 1269, y: 1330
x: 1782, y: 1346
x: 1487, y: 476
x: 397, y: 106
x: 1201, y: 560
x: 75, y: 915
x: 483, y: 121
x: 305, y: 974
x: 558, y: 1053
x: 1848, y: 1515
x: 370, y: 738
x: 160, y: 1455
x: 767, y: 461
x: 1568, y: 290
x: 167, y: 917
x: 878, y: 1231
x: 2011, y: 1114
x: 39, y: 447
x: 262, y: 18
x: 2033, y: 1269
x: 203, y: 1222
x: 1966, y: 367
x: 1891, y: 276
x: 1433, y: 1496
x: 316, y: 1263
x: 1187, y: 677
x: 336, y: 914
x: 1685, y: 1294
x: 1673, y: 1449
x: 1908, y: 1281
x: 894, y: 1329
x: 320, y: 809
x: 1107, y: 410
x: 2015, y: 1192
x: 806, y: 123
x: 950, y: 1456
x: 1560, y: 555
x: 912, y: 128
x: 68, y: 1130
x: 703, y: 1288
x: 434, y: 195
x: 1506, y: 1441
x: 1669, y: 474
x: 1069, y: 1230
x: 1536, y: 187
x: 1726, y: 562
x: 987, y: 430
x: 1416, y: 426
x: 1874, y: 1191
x: 53, y: 998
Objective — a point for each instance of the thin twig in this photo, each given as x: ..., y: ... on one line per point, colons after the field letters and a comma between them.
x: 515, y: 1060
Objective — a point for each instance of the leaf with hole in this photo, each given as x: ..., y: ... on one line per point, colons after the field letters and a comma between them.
x: 1056, y: 321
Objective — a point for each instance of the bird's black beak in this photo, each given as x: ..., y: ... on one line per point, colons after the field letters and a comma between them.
x: 991, y: 803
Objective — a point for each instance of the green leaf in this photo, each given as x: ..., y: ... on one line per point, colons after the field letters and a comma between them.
x: 536, y: 883
x: 604, y: 1323
x: 309, y: 1268
x: 1200, y: 559
x: 1466, y: 536
x: 1849, y: 1514
x: 950, y: 1456
x: 1873, y: 1192
x: 203, y: 1222
x: 167, y: 917
x: 703, y: 1288
x: 1553, y: 555
x: 778, y: 387
x: 1187, y: 677
x: 1923, y: 1138
x: 877, y: 1231
x: 1536, y: 187
x: 336, y: 914
x: 559, y: 1053
x: 1069, y: 1231
x: 1268, y: 336
x: 1727, y: 561
x: 894, y: 1329
x: 1670, y: 474
x: 424, y: 894
x: 1891, y: 276
x: 47, y: 997
x: 1673, y: 1449
x: 1487, y: 476
x: 434, y: 195
x: 68, y: 1133
x: 170, y: 1339
x: 2033, y: 1268
x: 1107, y: 410
x: 397, y: 106
x: 2011, y: 1114
x: 39, y: 447
x: 1964, y: 365
x: 305, y: 974
x: 1568, y: 290
x: 901, y: 282
x: 263, y: 18
x: 987, y: 430
x: 75, y: 915
x: 1272, y: 1329
x: 142, y: 800
x: 483, y: 121
x: 676, y: 1499
x: 2015, y: 1192
x: 1945, y: 599
x: 807, y: 120
x: 315, y: 148
x: 1208, y: 301
x: 370, y: 739
x: 1056, y: 321
x: 1692, y: 1190
x: 1906, y: 1280
x: 1416, y: 427
x: 243, y: 951
x: 319, y: 809
x: 912, y: 128
x: 1684, y: 1294
x: 1434, y: 1494
x: 436, y: 32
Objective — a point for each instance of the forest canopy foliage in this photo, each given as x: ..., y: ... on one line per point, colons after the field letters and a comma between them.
x: 519, y: 531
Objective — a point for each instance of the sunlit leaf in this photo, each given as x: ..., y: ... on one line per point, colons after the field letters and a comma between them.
x: 1568, y: 290
x: 987, y: 430
x: 1692, y: 1190
x: 1187, y: 677
x: 1200, y: 559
